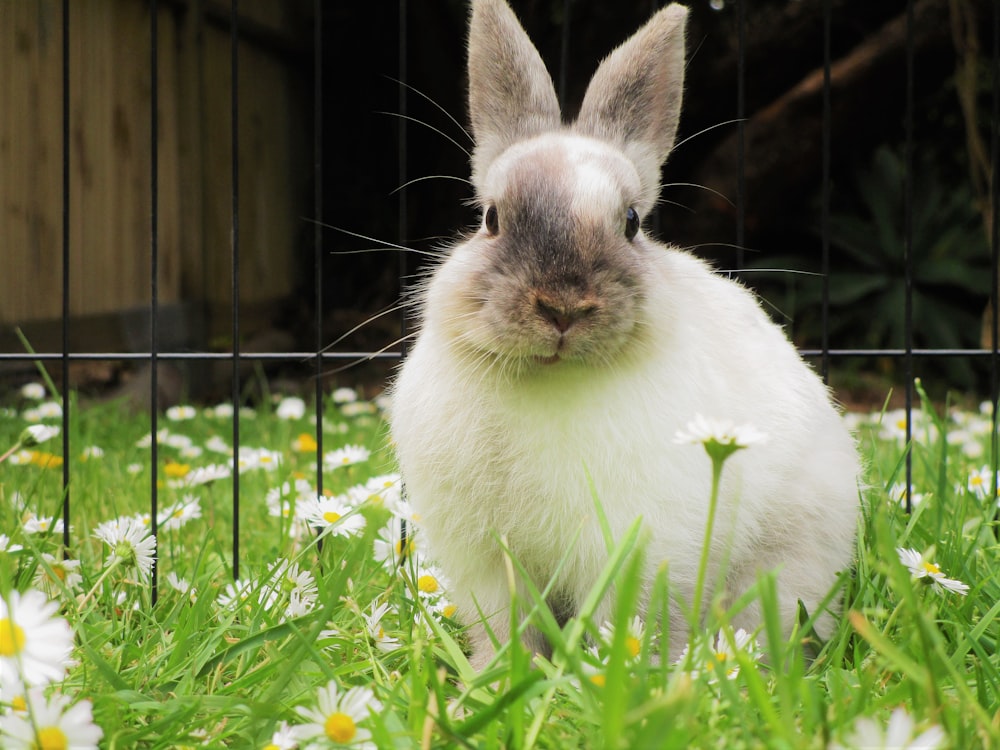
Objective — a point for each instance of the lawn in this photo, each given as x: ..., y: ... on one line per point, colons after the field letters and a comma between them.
x: 331, y: 637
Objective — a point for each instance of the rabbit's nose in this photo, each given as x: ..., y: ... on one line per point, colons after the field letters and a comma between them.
x: 563, y: 314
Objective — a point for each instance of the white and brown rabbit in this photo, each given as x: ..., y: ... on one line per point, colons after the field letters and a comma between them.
x: 561, y: 350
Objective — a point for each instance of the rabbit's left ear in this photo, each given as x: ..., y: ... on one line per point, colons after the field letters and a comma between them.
x: 511, y: 96
x: 634, y: 98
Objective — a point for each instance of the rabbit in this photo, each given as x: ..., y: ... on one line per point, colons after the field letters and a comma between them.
x: 560, y: 349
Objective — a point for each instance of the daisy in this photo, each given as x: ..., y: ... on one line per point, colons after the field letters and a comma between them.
x: 291, y: 408
x: 51, y: 723
x: 175, y: 470
x: 720, y: 656
x: 441, y: 606
x: 33, y: 391
x: 373, y: 624
x: 389, y: 546
x: 131, y: 545
x: 191, y: 451
x: 929, y: 572
x: 217, y: 445
x: 283, y: 738
x: 57, y: 575
x: 346, y: 456
x: 174, y: 516
x: 897, y: 494
x: 979, y: 482
x: 304, y: 443
x: 330, y: 515
x: 298, y: 606
x: 594, y: 667
x: 42, y: 525
x: 37, y: 433
x: 429, y: 581
x: 6, y: 546
x: 286, y: 578
x: 344, y: 396
x: 183, y: 586
x: 704, y: 431
x: 33, y: 642
x: 50, y: 410
x: 220, y: 411
x: 335, y: 718
x: 357, y: 409
x: 258, y: 458
x: 635, y: 632
x: 247, y: 596
x: 91, y: 451
x: 181, y: 413
x: 279, y: 499
x: 387, y: 489
x: 897, y: 735
x: 202, y: 475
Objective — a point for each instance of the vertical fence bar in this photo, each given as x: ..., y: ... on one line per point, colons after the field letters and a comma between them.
x: 403, y: 148
x: 234, y: 40
x: 825, y: 200
x: 318, y: 228
x: 995, y: 250
x: 908, y: 250
x: 402, y: 206
x: 741, y: 107
x: 564, y: 55
x: 154, y: 264
x: 65, y: 270
x: 654, y: 5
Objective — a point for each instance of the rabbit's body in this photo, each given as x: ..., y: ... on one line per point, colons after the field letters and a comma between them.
x: 559, y: 355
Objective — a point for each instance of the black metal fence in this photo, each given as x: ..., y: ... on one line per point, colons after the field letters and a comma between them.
x: 320, y: 356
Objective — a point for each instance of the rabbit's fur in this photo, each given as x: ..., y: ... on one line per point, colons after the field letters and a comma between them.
x: 561, y: 350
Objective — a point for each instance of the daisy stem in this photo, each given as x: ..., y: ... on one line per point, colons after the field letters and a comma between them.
x: 10, y: 451
x: 699, y: 586
x: 107, y: 571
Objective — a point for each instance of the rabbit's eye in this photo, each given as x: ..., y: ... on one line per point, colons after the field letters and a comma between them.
x: 631, y: 223
x: 491, y: 220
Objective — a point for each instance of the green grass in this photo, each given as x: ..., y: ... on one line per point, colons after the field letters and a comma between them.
x: 191, y: 672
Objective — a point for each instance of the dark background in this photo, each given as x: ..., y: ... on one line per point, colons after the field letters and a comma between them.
x: 781, y: 204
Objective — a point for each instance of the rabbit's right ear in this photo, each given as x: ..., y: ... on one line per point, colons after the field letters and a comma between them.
x: 511, y: 96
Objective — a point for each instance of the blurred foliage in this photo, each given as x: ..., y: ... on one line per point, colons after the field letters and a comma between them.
x: 951, y: 276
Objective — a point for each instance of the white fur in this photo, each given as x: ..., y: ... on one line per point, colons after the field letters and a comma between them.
x: 482, y: 456
x: 493, y: 444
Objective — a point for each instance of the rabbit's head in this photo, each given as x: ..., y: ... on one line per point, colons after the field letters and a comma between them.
x: 559, y: 268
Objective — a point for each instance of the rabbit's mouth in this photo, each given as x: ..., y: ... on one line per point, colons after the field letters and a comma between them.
x: 550, y: 360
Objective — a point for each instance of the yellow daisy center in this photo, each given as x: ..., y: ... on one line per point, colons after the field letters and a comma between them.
x: 409, y: 547
x: 272, y: 746
x: 331, y: 516
x: 428, y: 584
x: 175, y: 470
x: 632, y: 645
x: 59, y: 572
x: 51, y: 738
x: 19, y: 703
x: 449, y: 611
x: 976, y: 480
x: 931, y: 569
x: 598, y: 679
x: 11, y: 637
x: 340, y: 727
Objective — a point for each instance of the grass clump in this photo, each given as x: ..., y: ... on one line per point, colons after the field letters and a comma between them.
x: 332, y: 637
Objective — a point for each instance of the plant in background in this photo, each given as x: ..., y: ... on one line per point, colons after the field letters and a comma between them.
x: 950, y: 269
